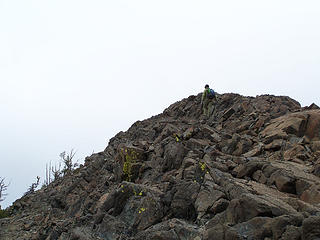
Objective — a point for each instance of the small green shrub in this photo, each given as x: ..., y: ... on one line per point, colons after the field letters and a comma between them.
x: 4, y: 213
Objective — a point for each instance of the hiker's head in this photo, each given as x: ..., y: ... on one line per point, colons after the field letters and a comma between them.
x: 206, y: 86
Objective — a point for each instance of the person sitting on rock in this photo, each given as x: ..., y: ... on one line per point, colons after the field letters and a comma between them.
x: 207, y: 101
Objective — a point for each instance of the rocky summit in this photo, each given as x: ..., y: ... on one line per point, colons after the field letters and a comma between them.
x: 250, y: 171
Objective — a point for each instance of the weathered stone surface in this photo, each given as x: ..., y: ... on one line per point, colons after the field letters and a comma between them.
x: 275, y: 145
x: 283, y: 181
x: 312, y: 106
x: 214, y: 233
x: 302, y: 185
x: 305, y: 123
x: 231, y: 144
x: 312, y: 195
x: 257, y: 150
x: 197, y: 143
x: 249, y: 168
x: 207, y: 197
x: 188, y: 133
x: 243, y: 146
x: 315, y: 146
x: 130, y: 160
x: 183, y: 200
x: 310, y: 228
x: 228, y: 113
x: 111, y: 227
x: 173, y: 156
x: 80, y: 233
x: 256, y: 228
x: 280, y: 224
x: 288, y: 124
x: 219, y: 206
x: 249, y: 206
x: 316, y: 170
x: 292, y: 233
x: 297, y: 151
x: 313, y: 127
x: 174, y: 229
x: 271, y: 133
x: 259, y: 177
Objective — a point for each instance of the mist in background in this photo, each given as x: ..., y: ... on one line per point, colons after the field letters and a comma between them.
x: 75, y: 73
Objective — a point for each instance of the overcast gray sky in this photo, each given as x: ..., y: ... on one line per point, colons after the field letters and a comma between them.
x: 73, y: 73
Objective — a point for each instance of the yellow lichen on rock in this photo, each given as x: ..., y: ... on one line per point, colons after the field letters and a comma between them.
x: 129, y: 156
x: 203, y: 166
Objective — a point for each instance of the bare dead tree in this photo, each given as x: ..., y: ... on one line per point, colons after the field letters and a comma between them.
x: 33, y: 187
x: 47, y: 181
x: 68, y: 161
x: 55, y: 172
x: 3, y: 189
x: 52, y: 173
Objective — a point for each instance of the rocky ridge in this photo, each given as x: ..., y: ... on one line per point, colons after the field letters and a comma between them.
x: 250, y: 171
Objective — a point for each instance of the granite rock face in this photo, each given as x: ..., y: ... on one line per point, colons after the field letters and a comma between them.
x: 250, y: 171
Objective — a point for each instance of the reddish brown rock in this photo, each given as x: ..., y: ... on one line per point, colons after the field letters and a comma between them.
x: 312, y: 106
x: 313, y: 127
x: 312, y: 195
x: 316, y: 169
x: 256, y: 151
x: 305, y: 123
x: 315, y: 146
x: 219, y: 206
x: 309, y: 230
x: 275, y: 145
x: 284, y: 182
x: 298, y: 151
x: 259, y: 177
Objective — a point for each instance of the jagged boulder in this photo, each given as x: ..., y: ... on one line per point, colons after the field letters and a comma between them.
x: 300, y: 124
x: 308, y: 228
x: 173, y: 229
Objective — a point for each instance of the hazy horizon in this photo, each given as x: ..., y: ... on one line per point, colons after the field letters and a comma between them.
x: 75, y: 73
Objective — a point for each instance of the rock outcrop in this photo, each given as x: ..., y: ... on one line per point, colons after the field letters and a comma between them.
x: 250, y: 171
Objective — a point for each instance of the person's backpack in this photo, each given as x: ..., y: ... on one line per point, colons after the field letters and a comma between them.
x: 211, y: 94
